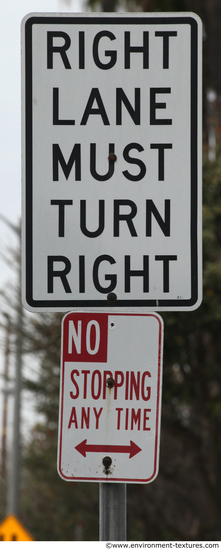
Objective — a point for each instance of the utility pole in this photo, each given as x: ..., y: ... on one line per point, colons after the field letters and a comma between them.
x: 14, y: 473
x: 5, y: 398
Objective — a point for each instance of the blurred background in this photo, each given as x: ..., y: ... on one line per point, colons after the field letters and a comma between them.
x: 184, y: 502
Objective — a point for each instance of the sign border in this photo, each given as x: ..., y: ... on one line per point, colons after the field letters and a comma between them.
x: 195, y: 170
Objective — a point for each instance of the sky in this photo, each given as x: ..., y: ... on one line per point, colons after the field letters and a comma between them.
x: 12, y: 13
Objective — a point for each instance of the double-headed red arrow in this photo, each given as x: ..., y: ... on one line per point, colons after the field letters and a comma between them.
x: 132, y: 449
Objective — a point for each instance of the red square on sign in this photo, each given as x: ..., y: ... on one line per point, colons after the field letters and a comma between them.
x: 85, y: 337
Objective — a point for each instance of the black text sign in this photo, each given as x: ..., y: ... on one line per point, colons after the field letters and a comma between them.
x: 111, y: 161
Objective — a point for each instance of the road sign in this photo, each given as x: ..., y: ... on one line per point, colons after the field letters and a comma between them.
x: 12, y: 529
x: 112, y: 161
x: 110, y: 397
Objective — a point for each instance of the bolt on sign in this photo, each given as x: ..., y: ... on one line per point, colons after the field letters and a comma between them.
x: 111, y: 114
x: 110, y: 397
x: 12, y: 529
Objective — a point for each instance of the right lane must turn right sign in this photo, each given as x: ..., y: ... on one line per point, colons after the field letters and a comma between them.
x: 112, y: 161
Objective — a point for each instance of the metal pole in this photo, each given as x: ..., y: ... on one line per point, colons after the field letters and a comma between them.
x: 112, y: 511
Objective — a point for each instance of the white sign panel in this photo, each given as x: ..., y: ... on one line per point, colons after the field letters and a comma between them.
x: 110, y: 397
x: 111, y: 161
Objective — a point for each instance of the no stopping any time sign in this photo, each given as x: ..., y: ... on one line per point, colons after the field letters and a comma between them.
x: 111, y: 161
x: 110, y: 397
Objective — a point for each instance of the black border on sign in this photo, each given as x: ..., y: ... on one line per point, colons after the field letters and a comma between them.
x: 133, y: 303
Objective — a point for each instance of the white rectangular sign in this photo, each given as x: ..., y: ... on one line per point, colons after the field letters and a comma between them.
x: 110, y: 397
x: 111, y: 161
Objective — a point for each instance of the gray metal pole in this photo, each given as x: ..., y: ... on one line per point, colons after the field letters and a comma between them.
x: 112, y: 511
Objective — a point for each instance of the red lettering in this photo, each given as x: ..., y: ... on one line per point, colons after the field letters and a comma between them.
x: 85, y: 417
x: 118, y: 418
x: 118, y: 374
x: 145, y: 419
x: 94, y: 384
x: 135, y: 418
x: 132, y: 418
x: 85, y: 373
x: 74, y: 396
x: 134, y: 385
x: 127, y: 385
x: 73, y: 418
x: 126, y: 419
x: 97, y: 416
x: 97, y: 374
x: 148, y: 390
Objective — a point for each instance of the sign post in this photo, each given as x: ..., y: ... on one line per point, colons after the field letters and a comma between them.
x: 112, y: 511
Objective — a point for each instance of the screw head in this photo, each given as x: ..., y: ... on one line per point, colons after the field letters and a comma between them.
x: 110, y: 382
x: 111, y: 297
x: 107, y: 461
x: 112, y: 157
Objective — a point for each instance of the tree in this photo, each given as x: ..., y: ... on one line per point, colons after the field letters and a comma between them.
x: 210, y: 13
